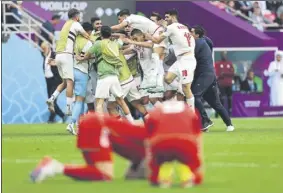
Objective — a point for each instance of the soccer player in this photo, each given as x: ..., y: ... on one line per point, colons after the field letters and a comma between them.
x: 204, y: 84
x: 108, y: 62
x: 93, y: 141
x: 91, y: 85
x: 171, y: 132
x: 130, y: 90
x: 81, y: 77
x: 64, y: 58
x: 146, y: 26
x: 144, y: 49
x: 174, y: 134
x: 183, y: 44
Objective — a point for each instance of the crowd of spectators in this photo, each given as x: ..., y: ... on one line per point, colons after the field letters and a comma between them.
x: 262, y: 14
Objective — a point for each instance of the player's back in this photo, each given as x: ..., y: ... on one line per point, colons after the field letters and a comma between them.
x: 172, y: 119
x: 145, y: 57
x: 142, y: 23
x: 181, y: 38
x: 93, y: 135
x: 67, y: 36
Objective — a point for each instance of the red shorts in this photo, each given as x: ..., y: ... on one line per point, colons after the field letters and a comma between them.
x: 93, y: 157
x: 184, y: 151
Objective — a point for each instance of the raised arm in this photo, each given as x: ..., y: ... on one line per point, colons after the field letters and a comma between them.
x: 157, y: 39
x: 119, y: 26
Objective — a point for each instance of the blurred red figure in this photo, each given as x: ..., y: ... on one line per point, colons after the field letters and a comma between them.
x: 172, y: 132
x: 93, y: 141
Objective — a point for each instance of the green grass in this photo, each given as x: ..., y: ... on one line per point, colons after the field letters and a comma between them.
x: 249, y: 160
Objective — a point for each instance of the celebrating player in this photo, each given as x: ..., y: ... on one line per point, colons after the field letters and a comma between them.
x: 107, y: 54
x: 146, y: 26
x: 144, y: 50
x: 64, y: 58
x: 183, y: 44
x: 81, y: 69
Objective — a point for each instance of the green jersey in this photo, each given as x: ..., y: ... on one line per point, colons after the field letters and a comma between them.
x: 107, y: 57
x: 124, y: 71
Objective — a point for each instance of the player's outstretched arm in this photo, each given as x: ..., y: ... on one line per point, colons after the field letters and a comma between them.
x: 142, y: 44
x: 119, y: 26
x: 156, y: 40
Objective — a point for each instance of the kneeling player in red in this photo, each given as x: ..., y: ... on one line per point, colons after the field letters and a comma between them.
x: 174, y: 134
x: 93, y: 141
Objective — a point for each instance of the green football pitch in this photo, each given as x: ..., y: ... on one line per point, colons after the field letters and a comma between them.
x: 249, y: 160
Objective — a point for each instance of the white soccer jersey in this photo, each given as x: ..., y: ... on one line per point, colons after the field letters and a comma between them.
x: 84, y: 65
x: 142, y: 23
x: 181, y: 38
x: 145, y: 57
x: 75, y: 30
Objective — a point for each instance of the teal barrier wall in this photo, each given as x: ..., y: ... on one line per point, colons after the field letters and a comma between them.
x: 23, y: 84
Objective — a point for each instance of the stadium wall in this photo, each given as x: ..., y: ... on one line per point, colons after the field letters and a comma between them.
x: 23, y: 84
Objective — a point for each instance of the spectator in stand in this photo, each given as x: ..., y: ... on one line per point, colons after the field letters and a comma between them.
x: 249, y: 85
x: 260, y: 22
x: 273, y: 5
x: 234, y: 12
x: 244, y: 6
x: 279, y: 18
x: 225, y: 75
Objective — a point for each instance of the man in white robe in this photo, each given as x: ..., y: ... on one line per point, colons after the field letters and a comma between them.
x: 275, y: 81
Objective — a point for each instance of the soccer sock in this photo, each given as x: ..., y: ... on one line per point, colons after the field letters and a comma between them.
x: 77, y: 111
x: 55, y: 95
x: 88, y: 173
x: 191, y: 103
x: 69, y: 101
x: 129, y: 118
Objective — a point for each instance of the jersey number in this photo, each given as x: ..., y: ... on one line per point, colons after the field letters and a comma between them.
x: 104, y: 138
x: 184, y: 73
x: 188, y: 37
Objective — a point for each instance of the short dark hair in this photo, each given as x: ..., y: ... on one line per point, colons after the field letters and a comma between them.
x: 136, y: 32
x: 199, y: 30
x: 94, y: 19
x: 157, y: 15
x: 172, y: 12
x: 106, y: 31
x: 72, y: 13
x: 87, y: 26
x: 54, y: 17
x: 123, y: 12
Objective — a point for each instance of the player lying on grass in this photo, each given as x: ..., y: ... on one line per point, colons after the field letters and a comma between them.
x: 173, y: 133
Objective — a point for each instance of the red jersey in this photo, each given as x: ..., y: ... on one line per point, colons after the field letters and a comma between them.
x: 92, y: 135
x: 172, y: 119
x: 224, y: 72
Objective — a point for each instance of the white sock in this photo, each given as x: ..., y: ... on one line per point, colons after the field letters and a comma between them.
x: 58, y: 167
x: 129, y: 118
x: 55, y: 95
x: 69, y: 101
x: 191, y: 103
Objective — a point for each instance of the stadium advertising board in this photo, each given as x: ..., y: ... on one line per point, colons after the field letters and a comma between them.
x: 107, y: 10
